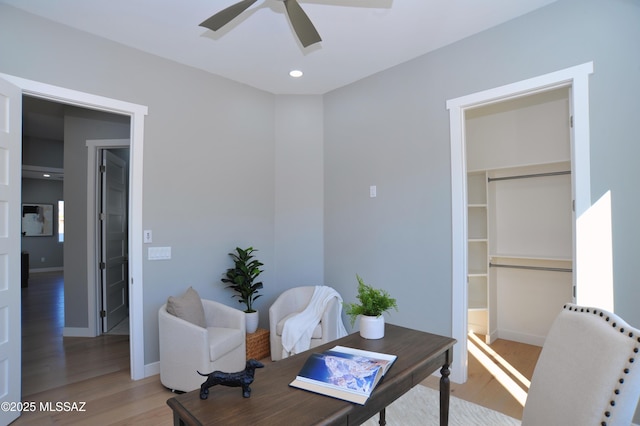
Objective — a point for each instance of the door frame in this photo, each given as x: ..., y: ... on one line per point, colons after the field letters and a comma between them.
x: 577, y: 78
x: 94, y: 146
x: 10, y: 256
x: 136, y: 113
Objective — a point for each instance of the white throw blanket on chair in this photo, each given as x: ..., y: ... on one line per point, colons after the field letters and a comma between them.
x: 297, y: 330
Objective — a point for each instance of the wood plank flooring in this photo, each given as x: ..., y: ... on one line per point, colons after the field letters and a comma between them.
x: 95, y: 371
x: 484, y: 388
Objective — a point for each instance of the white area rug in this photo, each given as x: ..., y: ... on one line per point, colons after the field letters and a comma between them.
x: 421, y: 407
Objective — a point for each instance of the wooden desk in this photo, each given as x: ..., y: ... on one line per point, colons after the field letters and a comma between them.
x: 274, y: 402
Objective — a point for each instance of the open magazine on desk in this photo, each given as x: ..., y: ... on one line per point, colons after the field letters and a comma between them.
x: 344, y: 373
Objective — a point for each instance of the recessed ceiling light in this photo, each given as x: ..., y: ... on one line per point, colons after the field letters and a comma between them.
x: 295, y: 73
x: 46, y: 175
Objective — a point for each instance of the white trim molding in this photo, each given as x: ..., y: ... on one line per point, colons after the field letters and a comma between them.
x: 577, y: 78
x: 137, y: 114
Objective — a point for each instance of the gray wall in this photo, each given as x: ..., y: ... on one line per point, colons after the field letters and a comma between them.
x: 81, y: 125
x: 392, y: 129
x: 299, y: 194
x: 209, y: 155
x: 42, y: 152
x: 212, y: 146
x: 37, y: 151
x: 42, y: 191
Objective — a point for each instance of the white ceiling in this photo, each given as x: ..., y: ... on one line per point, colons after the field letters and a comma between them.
x: 259, y: 48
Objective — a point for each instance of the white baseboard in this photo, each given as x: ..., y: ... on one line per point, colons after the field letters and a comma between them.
x: 152, y: 369
x: 77, y: 332
x: 520, y: 337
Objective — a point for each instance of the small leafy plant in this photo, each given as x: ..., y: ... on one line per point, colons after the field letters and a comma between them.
x: 373, y: 302
x: 242, y: 276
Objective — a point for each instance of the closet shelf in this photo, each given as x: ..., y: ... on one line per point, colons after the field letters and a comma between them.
x: 528, y: 257
x: 535, y: 263
x: 530, y: 267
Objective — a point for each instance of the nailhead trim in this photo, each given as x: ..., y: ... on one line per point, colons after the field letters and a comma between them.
x: 627, y: 369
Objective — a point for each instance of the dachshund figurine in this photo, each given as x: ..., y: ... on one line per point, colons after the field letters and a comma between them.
x: 238, y: 379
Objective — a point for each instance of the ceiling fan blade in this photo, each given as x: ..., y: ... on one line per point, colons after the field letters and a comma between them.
x: 301, y: 23
x: 223, y: 17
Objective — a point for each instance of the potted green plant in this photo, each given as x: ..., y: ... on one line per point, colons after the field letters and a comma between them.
x: 241, y: 279
x: 373, y: 303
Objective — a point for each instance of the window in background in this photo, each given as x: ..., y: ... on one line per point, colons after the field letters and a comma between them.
x: 60, y: 221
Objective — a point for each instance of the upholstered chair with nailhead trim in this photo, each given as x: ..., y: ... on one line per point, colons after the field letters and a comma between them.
x: 588, y: 372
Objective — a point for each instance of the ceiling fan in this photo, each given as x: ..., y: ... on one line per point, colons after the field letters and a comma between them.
x: 300, y: 22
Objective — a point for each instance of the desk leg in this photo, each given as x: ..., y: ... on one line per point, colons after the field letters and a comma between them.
x: 383, y: 417
x: 444, y: 395
x: 177, y: 421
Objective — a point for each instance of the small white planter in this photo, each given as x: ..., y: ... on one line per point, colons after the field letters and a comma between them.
x: 372, y: 327
x: 251, y: 319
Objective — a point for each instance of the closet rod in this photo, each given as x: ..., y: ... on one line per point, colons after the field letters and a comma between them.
x: 529, y: 176
x: 535, y: 268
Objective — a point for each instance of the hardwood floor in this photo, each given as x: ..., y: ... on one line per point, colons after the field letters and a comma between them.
x: 496, y: 390
x: 95, y: 371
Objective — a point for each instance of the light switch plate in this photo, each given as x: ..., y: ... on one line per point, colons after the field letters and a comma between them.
x: 159, y: 253
x: 147, y: 236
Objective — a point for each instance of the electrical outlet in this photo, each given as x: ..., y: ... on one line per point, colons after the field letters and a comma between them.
x: 147, y: 236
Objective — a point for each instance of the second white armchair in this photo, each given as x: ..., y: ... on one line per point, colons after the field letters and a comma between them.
x: 294, y: 301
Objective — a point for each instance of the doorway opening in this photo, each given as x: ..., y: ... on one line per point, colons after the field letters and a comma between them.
x: 136, y: 113
x: 576, y: 80
x: 54, y: 136
x: 51, y: 132
x: 520, y: 220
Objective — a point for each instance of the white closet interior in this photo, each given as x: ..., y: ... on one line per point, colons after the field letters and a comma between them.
x: 520, y: 217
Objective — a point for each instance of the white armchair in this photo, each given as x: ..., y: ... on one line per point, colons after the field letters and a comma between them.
x: 588, y: 372
x: 186, y: 348
x: 294, y: 301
